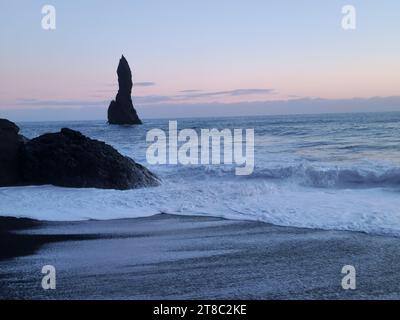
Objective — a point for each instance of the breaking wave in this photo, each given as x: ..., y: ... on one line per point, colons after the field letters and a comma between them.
x: 334, y: 177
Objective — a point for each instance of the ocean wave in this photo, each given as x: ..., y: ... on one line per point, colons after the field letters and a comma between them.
x: 303, y: 174
x: 334, y: 177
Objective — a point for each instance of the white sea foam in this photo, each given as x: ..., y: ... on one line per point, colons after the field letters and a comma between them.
x: 368, y: 210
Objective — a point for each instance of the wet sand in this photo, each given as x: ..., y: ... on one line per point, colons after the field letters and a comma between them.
x: 183, y: 257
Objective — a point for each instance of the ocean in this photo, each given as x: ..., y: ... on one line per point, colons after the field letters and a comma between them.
x: 333, y: 172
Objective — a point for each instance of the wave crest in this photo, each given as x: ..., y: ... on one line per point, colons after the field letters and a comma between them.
x: 334, y: 177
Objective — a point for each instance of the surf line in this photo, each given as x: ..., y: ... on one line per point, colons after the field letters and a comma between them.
x: 183, y: 147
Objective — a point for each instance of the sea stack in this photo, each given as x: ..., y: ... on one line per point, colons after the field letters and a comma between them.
x: 121, y: 110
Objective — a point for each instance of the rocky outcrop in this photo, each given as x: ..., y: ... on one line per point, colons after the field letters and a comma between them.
x: 67, y: 159
x: 10, y: 145
x: 70, y: 159
x: 121, y: 110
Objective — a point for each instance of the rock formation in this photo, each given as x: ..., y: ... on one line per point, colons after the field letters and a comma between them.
x: 10, y: 145
x: 121, y: 110
x: 70, y: 159
x: 67, y: 159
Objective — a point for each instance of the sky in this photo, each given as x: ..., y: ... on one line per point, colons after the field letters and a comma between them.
x: 199, y: 58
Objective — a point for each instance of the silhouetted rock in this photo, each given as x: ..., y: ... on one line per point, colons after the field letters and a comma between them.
x: 70, y: 159
x: 8, y: 126
x: 10, y: 146
x: 67, y: 159
x: 121, y: 110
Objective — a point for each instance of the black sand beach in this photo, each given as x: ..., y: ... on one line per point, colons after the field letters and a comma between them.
x: 179, y: 257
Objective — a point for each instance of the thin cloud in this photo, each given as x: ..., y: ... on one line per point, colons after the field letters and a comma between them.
x: 198, y: 94
x: 190, y: 91
x: 144, y: 84
x: 153, y: 99
x: 56, y: 103
x: 148, y: 99
x: 177, y: 110
x: 232, y: 93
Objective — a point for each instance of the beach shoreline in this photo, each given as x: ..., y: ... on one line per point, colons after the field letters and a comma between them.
x: 192, y: 257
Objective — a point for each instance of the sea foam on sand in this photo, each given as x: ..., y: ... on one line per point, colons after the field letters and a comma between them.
x: 368, y: 210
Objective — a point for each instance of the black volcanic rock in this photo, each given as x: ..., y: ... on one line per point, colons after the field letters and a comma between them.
x: 121, y: 110
x: 10, y: 147
x: 8, y: 126
x: 70, y: 159
x: 67, y: 159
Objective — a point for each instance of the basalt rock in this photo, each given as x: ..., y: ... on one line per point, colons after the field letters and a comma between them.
x: 121, y: 110
x: 10, y: 148
x: 69, y: 159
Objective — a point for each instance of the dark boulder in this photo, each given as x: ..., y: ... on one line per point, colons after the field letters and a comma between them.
x: 69, y: 159
x: 121, y: 110
x: 8, y: 126
x: 10, y: 146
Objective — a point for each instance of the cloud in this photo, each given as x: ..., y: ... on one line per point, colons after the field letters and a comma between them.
x: 245, y: 92
x: 144, y: 84
x: 190, y: 91
x: 187, y: 97
x: 172, y: 110
x: 231, y: 93
x: 151, y: 99
x: 277, y: 107
x: 63, y: 103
